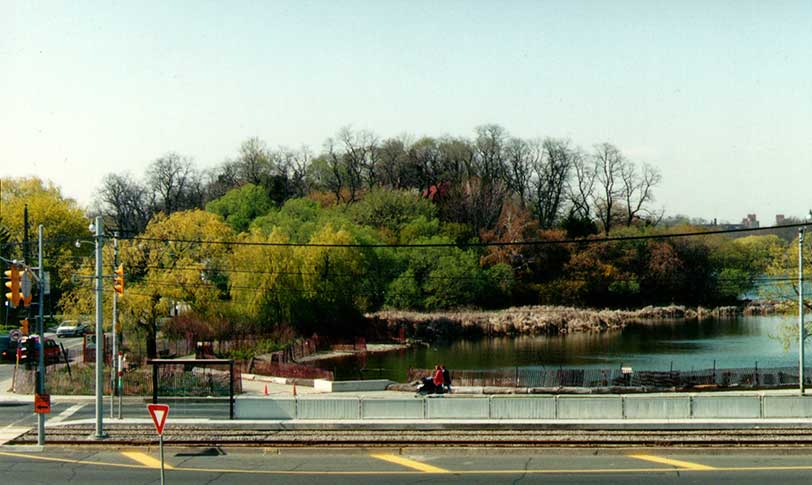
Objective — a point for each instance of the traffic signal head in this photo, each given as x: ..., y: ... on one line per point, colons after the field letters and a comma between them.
x: 25, y: 288
x: 118, y: 280
x: 24, y: 327
x: 14, y: 296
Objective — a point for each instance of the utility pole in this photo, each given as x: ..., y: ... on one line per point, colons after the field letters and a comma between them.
x: 40, y: 301
x: 113, y: 356
x: 99, y: 331
x: 801, y: 331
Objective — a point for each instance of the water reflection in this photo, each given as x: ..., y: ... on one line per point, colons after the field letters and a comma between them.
x: 650, y: 345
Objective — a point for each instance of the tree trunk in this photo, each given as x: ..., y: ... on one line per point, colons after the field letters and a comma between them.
x: 152, y: 344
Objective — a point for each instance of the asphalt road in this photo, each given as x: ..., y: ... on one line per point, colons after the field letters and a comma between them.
x: 214, y: 466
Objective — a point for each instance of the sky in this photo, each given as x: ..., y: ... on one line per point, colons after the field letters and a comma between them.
x: 717, y: 95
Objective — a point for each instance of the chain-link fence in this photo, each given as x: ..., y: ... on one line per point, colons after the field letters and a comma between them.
x: 746, y: 377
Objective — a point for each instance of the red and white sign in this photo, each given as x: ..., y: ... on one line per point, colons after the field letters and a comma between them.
x: 159, y: 412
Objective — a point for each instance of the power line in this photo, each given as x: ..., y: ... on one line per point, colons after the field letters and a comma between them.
x: 537, y: 242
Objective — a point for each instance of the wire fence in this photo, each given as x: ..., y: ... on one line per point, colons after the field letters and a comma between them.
x: 746, y: 377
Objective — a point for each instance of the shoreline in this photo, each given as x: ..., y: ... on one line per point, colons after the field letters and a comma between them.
x: 544, y: 320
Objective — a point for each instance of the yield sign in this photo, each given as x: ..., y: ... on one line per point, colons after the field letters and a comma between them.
x: 159, y: 412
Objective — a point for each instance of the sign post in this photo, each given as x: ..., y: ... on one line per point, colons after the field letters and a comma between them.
x: 159, y: 412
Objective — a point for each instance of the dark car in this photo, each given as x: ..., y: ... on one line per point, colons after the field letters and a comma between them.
x: 7, y: 349
x: 29, y: 348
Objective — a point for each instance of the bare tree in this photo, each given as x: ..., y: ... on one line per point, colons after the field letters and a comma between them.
x: 127, y: 201
x: 175, y: 183
x: 608, y: 165
x: 334, y: 180
x: 553, y: 163
x: 359, y: 157
x: 638, y: 189
x: 254, y: 162
x: 580, y: 190
x: 521, y: 157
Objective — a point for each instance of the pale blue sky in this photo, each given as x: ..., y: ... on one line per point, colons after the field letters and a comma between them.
x: 716, y: 94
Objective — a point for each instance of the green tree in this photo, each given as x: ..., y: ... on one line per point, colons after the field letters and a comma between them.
x: 239, y: 207
x: 63, y: 222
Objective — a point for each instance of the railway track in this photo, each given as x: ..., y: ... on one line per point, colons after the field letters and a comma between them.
x: 207, y: 436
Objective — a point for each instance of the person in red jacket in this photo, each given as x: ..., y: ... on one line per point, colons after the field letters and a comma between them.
x: 438, y: 379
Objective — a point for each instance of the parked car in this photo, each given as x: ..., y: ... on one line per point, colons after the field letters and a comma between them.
x: 29, y: 350
x: 71, y: 328
x: 7, y: 350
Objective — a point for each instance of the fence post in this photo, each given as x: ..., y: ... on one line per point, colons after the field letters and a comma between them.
x: 154, y: 383
x: 231, y: 390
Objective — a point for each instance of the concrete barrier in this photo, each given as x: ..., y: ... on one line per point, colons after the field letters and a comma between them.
x: 787, y: 406
x: 314, y: 408
x: 527, y: 407
x: 651, y: 407
x: 259, y: 408
x: 726, y: 407
x: 503, y: 407
x: 351, y: 386
x: 392, y: 409
x: 575, y: 407
x: 458, y: 408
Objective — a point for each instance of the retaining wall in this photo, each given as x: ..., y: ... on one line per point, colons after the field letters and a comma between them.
x: 616, y: 407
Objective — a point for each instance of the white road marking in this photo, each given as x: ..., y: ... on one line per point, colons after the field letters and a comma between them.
x: 67, y: 413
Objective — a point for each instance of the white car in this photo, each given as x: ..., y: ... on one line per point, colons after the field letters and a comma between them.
x: 71, y: 328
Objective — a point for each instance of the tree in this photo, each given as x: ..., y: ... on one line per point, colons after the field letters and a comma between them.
x: 176, y: 183
x: 174, y: 267
x: 239, y: 207
x: 390, y: 209
x: 63, y: 221
x: 638, y: 189
x: 608, y: 163
x: 126, y: 201
x: 552, y: 169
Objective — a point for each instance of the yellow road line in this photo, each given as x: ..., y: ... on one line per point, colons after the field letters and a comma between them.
x: 145, y: 459
x: 423, y: 467
x: 686, y: 465
x: 550, y: 471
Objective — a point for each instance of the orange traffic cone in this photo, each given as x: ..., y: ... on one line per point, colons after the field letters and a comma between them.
x: 266, y: 389
x: 294, y: 388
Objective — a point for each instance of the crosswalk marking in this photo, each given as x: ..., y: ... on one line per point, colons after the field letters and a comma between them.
x: 67, y: 413
x: 423, y: 467
x: 687, y: 465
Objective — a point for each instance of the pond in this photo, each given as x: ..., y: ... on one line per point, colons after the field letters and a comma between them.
x: 745, y: 341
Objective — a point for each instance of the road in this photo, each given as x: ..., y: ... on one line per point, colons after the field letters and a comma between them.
x: 218, y: 466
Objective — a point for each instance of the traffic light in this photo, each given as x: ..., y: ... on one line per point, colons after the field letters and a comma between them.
x: 25, y: 288
x: 13, y: 283
x: 24, y: 327
x: 118, y: 280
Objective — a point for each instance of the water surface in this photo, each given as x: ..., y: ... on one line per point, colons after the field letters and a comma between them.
x: 657, y: 345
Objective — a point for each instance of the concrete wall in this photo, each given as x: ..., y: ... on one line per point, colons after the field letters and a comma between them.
x: 528, y: 407
x: 522, y: 407
x: 351, y: 386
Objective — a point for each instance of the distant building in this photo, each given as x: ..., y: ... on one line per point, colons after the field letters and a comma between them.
x: 780, y: 220
x: 750, y: 222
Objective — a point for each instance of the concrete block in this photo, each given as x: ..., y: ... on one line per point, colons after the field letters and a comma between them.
x: 264, y: 408
x: 351, y: 386
x: 459, y: 407
x: 392, y: 408
x: 650, y: 407
x: 726, y: 407
x: 787, y: 407
x: 319, y: 408
x: 522, y: 407
x: 575, y: 407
